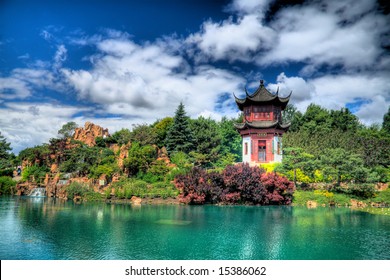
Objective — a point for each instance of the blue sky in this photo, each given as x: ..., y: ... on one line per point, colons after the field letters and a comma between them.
x: 120, y: 63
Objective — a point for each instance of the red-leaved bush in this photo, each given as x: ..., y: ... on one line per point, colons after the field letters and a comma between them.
x: 279, y: 189
x: 237, y: 184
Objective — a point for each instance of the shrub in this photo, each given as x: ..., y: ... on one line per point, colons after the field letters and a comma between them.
x: 193, y: 186
x: 383, y: 197
x: 35, y: 171
x: 237, y: 184
x: 358, y: 190
x: 271, y: 166
x: 7, y: 185
x: 108, y: 169
x: 76, y: 189
x: 107, y: 193
x: 247, y: 181
x: 279, y: 189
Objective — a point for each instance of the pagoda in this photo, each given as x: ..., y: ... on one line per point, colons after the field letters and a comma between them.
x: 262, y: 126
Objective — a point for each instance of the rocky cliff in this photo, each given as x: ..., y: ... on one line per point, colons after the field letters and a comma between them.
x: 89, y: 132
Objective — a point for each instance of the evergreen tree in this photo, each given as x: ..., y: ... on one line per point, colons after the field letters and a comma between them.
x: 386, y: 122
x: 5, y: 156
x: 4, y: 147
x: 180, y: 137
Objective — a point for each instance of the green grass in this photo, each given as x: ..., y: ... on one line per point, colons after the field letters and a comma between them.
x: 127, y: 188
x: 326, y: 198
x: 321, y: 197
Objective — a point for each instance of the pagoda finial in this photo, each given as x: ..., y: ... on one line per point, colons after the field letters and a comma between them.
x: 261, y: 82
x: 277, y: 91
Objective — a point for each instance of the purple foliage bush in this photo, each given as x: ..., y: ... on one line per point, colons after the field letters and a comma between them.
x: 236, y: 184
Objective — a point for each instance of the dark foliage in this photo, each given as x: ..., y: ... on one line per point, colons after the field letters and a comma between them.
x: 237, y: 184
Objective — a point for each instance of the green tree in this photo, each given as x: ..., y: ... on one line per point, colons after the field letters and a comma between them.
x: 296, y: 158
x: 207, y: 141
x: 180, y: 136
x: 140, y: 158
x: 121, y: 137
x: 386, y: 122
x: 338, y: 163
x: 316, y: 119
x: 374, y: 146
x: 80, y: 160
x: 143, y: 134
x: 293, y: 116
x: 5, y: 156
x: 230, y: 139
x: 67, y: 129
x: 7, y: 185
x: 161, y: 127
x: 344, y: 120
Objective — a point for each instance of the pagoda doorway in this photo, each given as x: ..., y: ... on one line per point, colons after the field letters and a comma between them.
x: 262, y: 151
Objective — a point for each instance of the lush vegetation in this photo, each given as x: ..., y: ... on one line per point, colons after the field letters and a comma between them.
x: 332, y: 146
x: 7, y: 185
x: 327, y: 153
x: 236, y: 184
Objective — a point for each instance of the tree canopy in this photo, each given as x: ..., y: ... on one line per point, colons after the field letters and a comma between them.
x: 180, y: 137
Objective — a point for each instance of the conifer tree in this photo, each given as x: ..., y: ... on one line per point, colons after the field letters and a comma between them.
x: 5, y: 156
x: 386, y: 122
x: 180, y: 137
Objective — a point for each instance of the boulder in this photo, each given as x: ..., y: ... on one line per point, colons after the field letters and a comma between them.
x: 311, y: 204
x: 136, y: 200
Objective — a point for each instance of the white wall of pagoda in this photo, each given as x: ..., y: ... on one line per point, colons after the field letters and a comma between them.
x: 277, y: 148
x: 246, y: 149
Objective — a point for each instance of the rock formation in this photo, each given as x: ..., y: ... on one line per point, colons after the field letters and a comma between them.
x: 89, y: 132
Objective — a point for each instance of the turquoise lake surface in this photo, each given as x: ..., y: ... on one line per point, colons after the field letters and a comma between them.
x: 46, y: 229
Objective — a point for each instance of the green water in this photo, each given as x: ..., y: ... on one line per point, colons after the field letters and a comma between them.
x: 41, y: 228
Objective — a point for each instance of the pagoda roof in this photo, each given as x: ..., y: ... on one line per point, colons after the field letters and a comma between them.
x: 262, y: 124
x: 262, y: 96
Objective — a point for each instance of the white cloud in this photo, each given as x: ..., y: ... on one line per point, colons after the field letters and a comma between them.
x: 12, y: 88
x: 27, y: 125
x: 60, y: 56
x: 232, y: 40
x: 148, y: 81
x: 337, y: 91
x: 373, y: 111
x: 311, y: 35
x: 301, y: 89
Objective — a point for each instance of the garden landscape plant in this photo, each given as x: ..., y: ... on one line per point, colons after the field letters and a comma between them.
x: 237, y: 184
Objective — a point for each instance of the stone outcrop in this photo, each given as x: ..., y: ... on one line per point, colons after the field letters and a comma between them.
x: 123, y: 154
x: 89, y: 132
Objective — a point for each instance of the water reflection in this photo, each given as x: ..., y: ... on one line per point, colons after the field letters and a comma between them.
x: 44, y: 228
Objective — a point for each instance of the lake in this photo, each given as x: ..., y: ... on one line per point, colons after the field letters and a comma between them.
x: 43, y: 228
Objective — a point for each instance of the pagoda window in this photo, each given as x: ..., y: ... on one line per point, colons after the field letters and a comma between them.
x: 247, y: 111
